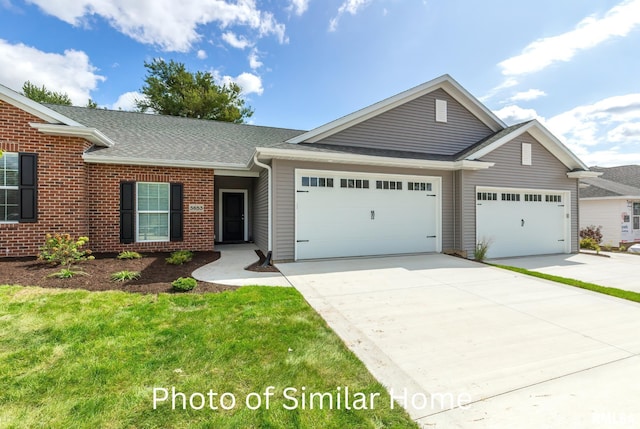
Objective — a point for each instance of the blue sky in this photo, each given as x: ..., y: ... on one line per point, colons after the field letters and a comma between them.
x: 574, y: 65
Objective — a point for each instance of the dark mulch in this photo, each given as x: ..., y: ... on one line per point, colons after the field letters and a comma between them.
x: 257, y: 266
x: 155, y: 274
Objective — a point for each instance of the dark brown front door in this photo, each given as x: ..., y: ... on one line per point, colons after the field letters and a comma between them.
x: 232, y: 216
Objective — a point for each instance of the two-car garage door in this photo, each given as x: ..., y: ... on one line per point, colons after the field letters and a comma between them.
x: 518, y: 222
x: 356, y: 214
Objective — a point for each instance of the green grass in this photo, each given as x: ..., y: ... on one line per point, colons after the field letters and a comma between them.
x: 619, y: 293
x: 92, y: 359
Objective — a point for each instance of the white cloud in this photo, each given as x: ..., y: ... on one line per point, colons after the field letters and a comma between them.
x: 514, y: 114
x: 589, y: 32
x: 168, y: 24
x: 529, y: 95
x: 201, y: 54
x: 298, y: 6
x: 70, y: 72
x: 235, y: 41
x: 349, y: 6
x: 248, y: 82
x: 508, y: 83
x: 127, y: 101
x: 254, y: 60
x: 604, y: 132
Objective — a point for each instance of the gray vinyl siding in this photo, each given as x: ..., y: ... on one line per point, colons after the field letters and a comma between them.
x: 260, y: 211
x: 412, y: 127
x: 232, y: 182
x: 284, y: 200
x: 546, y: 172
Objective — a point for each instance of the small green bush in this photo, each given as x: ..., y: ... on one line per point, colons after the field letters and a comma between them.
x: 589, y: 244
x: 179, y: 257
x: 62, y: 249
x: 123, y: 276
x: 184, y: 284
x: 129, y: 254
x: 67, y: 273
x: 482, y: 247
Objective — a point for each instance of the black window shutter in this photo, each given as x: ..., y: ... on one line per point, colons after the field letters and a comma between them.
x: 175, y: 213
x: 28, y: 187
x: 127, y: 212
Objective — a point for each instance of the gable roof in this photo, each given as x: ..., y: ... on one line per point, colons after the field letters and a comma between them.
x: 152, y: 139
x: 622, y: 181
x: 36, y: 109
x: 445, y: 82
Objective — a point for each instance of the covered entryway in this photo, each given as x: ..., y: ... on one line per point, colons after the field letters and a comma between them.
x: 234, y: 219
x: 518, y: 222
x: 356, y: 214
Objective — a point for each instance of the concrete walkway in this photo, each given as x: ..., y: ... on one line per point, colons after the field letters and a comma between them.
x: 230, y: 268
x: 619, y: 270
x: 440, y: 331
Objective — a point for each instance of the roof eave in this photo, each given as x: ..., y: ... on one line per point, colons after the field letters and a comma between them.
x: 117, y: 160
x: 342, y: 158
x: 612, y: 197
x: 26, y: 104
x: 583, y: 174
x: 90, y: 134
x: 444, y: 82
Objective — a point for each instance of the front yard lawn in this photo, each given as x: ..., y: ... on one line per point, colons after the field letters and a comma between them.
x: 79, y: 359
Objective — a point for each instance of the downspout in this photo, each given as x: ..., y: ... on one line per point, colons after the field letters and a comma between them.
x: 267, y: 260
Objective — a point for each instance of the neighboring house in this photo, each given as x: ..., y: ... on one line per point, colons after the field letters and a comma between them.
x: 428, y: 170
x: 612, y: 201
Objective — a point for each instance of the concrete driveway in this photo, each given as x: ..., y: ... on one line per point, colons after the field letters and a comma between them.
x: 440, y: 331
x: 619, y: 270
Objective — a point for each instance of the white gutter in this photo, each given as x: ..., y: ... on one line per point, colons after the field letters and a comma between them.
x: 269, y: 204
x: 100, y: 159
x: 348, y: 158
x: 91, y: 134
x: 583, y: 174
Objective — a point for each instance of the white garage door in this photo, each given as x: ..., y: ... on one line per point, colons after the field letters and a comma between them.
x: 354, y: 214
x: 520, y: 222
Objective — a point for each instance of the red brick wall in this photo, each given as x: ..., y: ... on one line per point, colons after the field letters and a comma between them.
x: 104, y: 188
x: 83, y: 199
x: 62, y: 178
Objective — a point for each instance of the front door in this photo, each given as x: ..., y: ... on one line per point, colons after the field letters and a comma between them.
x: 232, y: 216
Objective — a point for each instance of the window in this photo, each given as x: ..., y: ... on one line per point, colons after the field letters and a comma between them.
x: 317, y: 182
x: 386, y: 184
x: 419, y: 186
x: 487, y: 196
x: 636, y: 209
x: 153, y: 211
x: 533, y: 197
x: 636, y: 215
x: 510, y: 197
x: 9, y: 181
x: 553, y: 198
x: 354, y: 183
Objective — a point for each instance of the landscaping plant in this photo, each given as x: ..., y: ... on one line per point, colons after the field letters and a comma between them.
x: 179, y: 257
x: 129, y: 254
x: 184, y: 284
x: 62, y: 249
x: 67, y: 273
x: 589, y: 243
x: 124, y: 275
x: 480, y: 252
x: 593, y: 232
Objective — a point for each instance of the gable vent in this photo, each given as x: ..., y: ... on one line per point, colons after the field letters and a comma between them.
x: 441, y: 111
x: 526, y: 153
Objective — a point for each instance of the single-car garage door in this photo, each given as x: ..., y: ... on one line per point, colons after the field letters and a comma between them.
x: 517, y: 222
x: 356, y: 214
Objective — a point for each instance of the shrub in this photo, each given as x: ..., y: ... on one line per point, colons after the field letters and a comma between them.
x: 129, y: 254
x: 184, y: 283
x: 592, y: 232
x: 62, y: 249
x: 589, y: 244
x: 179, y: 257
x: 123, y: 276
x: 482, y: 247
x: 67, y: 273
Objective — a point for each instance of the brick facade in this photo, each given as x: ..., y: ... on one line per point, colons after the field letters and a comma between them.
x: 83, y: 199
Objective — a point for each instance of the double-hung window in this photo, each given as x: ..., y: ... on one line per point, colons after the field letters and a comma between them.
x: 636, y: 215
x: 153, y: 211
x: 9, y: 182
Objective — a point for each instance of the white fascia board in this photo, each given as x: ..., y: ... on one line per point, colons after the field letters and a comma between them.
x: 101, y: 159
x: 91, y: 134
x: 615, y: 197
x: 583, y: 175
x: 236, y: 173
x: 36, y: 109
x: 444, y: 82
x: 342, y: 158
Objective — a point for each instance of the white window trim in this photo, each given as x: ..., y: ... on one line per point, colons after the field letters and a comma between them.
x: 138, y: 212
x: 9, y: 188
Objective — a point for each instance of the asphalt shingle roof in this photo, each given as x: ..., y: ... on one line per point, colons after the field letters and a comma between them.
x: 171, y: 138
x: 488, y: 140
x: 614, y: 182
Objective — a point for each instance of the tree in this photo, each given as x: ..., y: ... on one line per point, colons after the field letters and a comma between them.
x: 43, y: 95
x: 170, y: 89
x: 91, y: 104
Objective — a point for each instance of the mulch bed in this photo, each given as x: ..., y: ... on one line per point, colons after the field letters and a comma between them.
x: 257, y: 266
x: 155, y: 274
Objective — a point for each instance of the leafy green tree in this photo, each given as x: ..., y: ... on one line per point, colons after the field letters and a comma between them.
x: 171, y: 89
x: 92, y: 104
x: 44, y: 95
